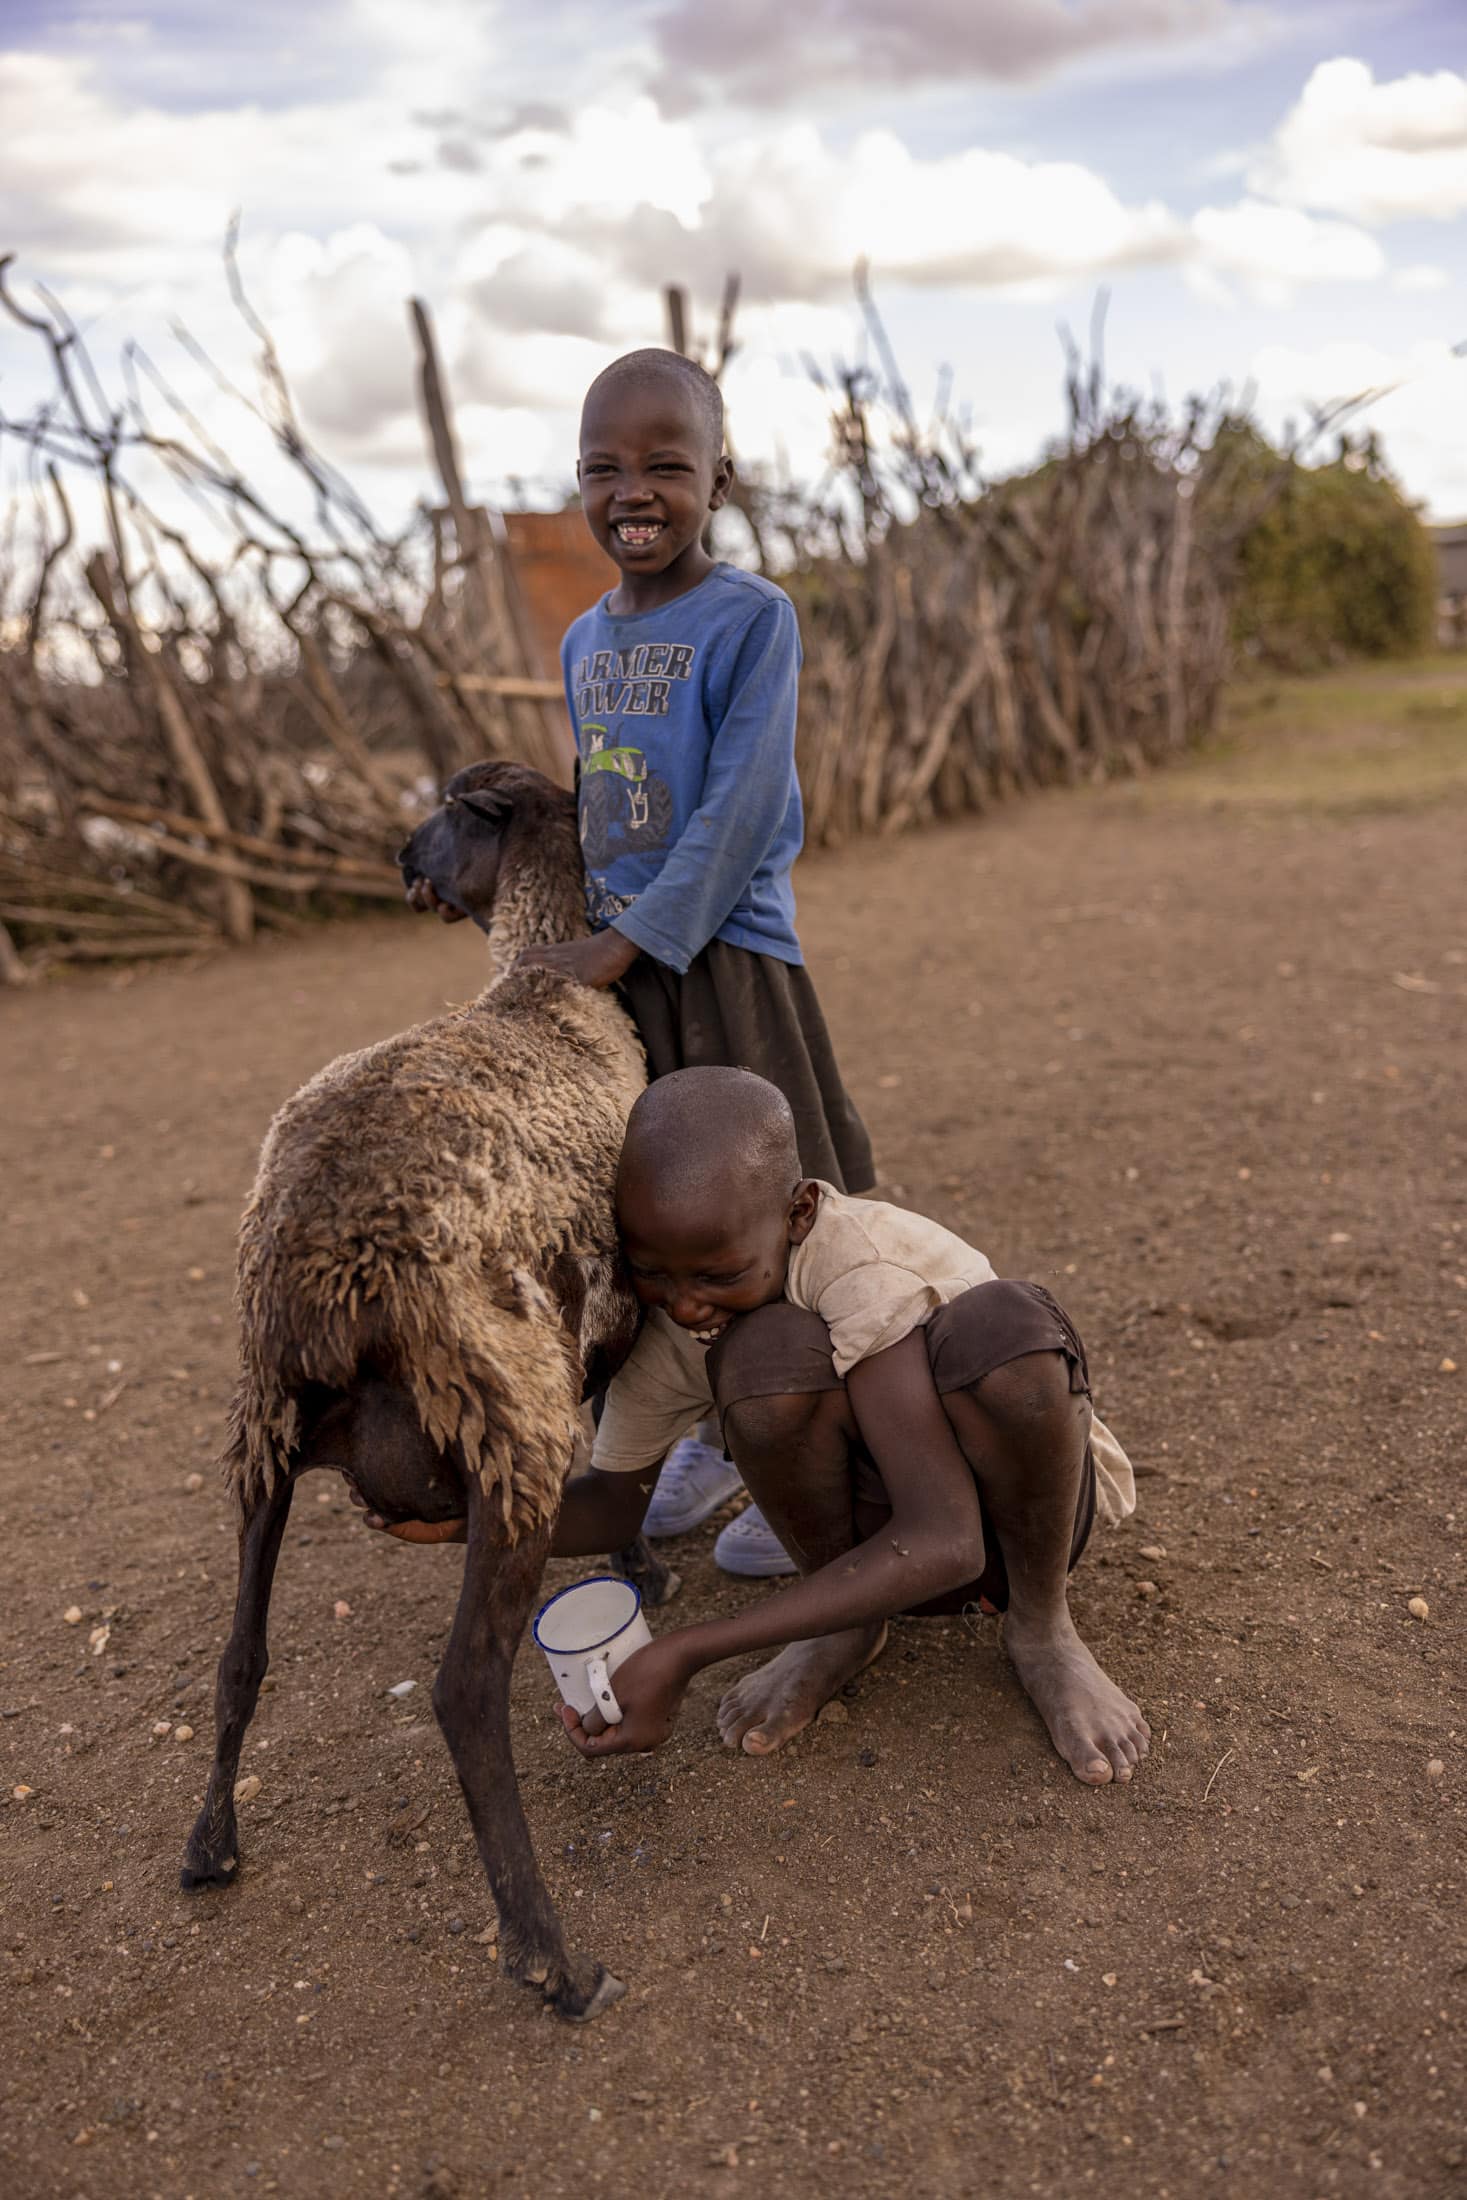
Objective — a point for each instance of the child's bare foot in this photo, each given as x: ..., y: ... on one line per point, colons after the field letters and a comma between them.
x: 1098, y: 1731
x: 770, y: 1704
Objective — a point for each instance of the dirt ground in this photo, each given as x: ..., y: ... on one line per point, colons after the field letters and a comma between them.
x: 1191, y: 1057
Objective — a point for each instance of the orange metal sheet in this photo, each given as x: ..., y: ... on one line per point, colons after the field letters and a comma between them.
x: 560, y: 573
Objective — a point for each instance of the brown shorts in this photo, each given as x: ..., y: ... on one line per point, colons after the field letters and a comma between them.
x: 782, y: 1350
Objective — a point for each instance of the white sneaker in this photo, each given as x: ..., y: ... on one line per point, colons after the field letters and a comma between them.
x: 749, y: 1546
x: 695, y: 1480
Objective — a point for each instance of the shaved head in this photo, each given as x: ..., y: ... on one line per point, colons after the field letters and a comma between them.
x: 709, y: 1197
x: 703, y: 1133
x: 641, y: 370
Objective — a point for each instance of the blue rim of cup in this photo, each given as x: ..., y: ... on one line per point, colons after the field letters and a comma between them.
x: 590, y: 1582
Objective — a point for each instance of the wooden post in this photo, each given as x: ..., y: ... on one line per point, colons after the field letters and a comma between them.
x: 331, y: 716
x: 675, y: 301
x: 12, y: 970
x: 445, y: 457
x: 236, y: 906
x: 723, y: 351
x: 528, y: 730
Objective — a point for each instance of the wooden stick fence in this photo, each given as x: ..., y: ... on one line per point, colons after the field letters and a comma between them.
x: 193, y: 746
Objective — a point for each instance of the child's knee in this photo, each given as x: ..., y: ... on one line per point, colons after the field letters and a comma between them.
x: 771, y: 1424
x: 768, y: 1374
x: 1033, y: 1393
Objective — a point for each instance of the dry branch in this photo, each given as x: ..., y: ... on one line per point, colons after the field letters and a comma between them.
x: 187, y: 758
x: 508, y: 684
x: 246, y: 844
x: 234, y: 867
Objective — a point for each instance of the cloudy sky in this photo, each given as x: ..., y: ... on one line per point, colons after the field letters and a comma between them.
x: 1273, y: 191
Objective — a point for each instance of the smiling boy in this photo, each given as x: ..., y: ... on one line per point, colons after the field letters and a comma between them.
x: 683, y: 685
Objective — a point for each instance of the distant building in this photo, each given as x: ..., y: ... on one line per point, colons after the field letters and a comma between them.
x: 1451, y: 560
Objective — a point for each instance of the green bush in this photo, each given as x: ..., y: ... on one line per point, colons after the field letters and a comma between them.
x: 1338, y: 565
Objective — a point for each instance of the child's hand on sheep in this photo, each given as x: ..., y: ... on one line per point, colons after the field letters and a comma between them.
x: 600, y: 960
x: 422, y: 895
x: 409, y: 1531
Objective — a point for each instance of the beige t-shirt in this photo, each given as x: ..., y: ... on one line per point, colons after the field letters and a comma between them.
x: 873, y: 1273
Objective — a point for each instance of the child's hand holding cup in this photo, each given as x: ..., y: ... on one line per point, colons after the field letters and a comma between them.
x: 586, y: 1632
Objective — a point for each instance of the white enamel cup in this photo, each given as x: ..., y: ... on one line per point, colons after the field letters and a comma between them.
x: 586, y: 1632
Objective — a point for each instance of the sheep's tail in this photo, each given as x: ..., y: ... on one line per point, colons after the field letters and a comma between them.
x: 494, y: 1372
x: 491, y: 1371
x: 262, y: 1432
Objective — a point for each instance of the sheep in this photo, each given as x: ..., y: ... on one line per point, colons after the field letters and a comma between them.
x: 428, y: 1284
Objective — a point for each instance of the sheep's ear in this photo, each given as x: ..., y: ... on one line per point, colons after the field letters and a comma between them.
x: 484, y: 802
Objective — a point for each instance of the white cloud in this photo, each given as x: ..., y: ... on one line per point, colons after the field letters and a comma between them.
x: 1272, y: 250
x: 423, y: 55
x: 776, y: 413
x: 337, y: 308
x: 542, y: 285
x: 615, y: 158
x: 1422, y: 421
x: 567, y: 211
x: 1383, y: 152
x: 513, y: 442
x: 1422, y: 275
x: 140, y: 195
x: 793, y: 214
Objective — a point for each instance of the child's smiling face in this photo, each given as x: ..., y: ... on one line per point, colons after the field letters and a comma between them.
x: 705, y: 1263
x: 649, y: 475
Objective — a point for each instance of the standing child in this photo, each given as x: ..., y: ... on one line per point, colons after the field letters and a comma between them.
x: 682, y: 684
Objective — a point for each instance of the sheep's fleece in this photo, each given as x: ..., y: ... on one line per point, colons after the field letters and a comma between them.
x: 415, y: 1212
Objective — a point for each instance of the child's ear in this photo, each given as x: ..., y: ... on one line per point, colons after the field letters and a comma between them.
x: 804, y: 1207
x: 723, y: 477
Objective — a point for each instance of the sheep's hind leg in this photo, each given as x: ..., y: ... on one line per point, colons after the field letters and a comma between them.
x: 650, y: 1576
x: 212, y: 1856
x: 471, y: 1699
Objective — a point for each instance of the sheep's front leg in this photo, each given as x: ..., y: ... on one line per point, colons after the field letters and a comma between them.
x: 212, y: 1856
x: 471, y: 1699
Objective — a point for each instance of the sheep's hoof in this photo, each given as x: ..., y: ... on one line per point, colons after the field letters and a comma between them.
x: 606, y: 1991
x: 212, y: 1856
x: 196, y: 1876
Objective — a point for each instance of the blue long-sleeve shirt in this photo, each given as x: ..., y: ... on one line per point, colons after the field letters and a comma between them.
x: 690, y: 810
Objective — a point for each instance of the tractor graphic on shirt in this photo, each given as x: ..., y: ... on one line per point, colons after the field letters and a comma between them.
x: 625, y: 809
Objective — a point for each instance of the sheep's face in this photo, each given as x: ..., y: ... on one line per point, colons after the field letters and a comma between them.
x: 451, y: 864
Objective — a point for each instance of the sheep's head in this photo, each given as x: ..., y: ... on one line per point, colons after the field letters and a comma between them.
x: 451, y: 864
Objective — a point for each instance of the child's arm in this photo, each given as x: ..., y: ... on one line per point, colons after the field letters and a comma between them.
x: 746, y: 793
x: 598, y: 1512
x: 932, y: 1543
x: 602, y: 1512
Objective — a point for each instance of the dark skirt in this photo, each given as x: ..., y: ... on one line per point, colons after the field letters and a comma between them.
x: 739, y: 1010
